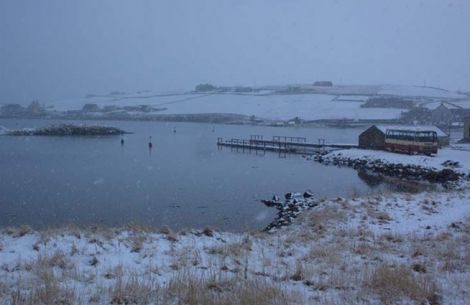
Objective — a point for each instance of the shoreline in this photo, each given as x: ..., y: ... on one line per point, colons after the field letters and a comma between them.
x: 441, y: 168
x: 217, y: 118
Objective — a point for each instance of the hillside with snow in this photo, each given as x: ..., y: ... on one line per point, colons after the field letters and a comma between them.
x: 418, y: 91
x: 273, y: 103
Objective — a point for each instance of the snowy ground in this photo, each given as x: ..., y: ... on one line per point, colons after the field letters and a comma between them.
x: 412, y: 249
x: 461, y: 146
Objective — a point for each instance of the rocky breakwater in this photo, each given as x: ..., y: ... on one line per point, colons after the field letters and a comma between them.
x: 447, y: 176
x: 288, y: 210
x: 67, y: 130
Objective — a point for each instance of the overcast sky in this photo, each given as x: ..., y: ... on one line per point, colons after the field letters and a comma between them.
x: 54, y: 49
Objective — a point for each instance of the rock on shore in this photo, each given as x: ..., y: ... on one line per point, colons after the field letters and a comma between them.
x: 288, y: 210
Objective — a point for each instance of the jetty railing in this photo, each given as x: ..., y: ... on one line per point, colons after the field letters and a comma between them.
x: 289, y: 139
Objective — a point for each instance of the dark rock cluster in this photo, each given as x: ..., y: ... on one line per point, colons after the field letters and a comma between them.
x: 398, y: 170
x: 293, y: 205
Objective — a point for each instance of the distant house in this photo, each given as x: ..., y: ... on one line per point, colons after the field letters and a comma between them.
x: 205, y: 88
x: 442, y: 115
x: 12, y: 110
x: 374, y: 136
x: 466, y: 129
x: 460, y: 114
x: 323, y: 83
x: 90, y: 108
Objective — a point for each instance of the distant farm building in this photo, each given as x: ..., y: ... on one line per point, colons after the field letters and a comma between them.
x: 374, y: 136
x: 442, y: 115
x: 466, y: 129
x: 90, y: 108
x: 323, y: 83
x: 12, y: 110
x: 205, y: 88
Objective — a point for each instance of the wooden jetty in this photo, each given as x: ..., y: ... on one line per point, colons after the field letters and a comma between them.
x: 294, y: 145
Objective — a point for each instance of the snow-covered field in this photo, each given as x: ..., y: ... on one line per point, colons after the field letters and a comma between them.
x: 278, y: 107
x: 315, y: 103
x: 283, y: 107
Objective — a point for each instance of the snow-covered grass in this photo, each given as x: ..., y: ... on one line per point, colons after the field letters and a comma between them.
x: 383, y: 249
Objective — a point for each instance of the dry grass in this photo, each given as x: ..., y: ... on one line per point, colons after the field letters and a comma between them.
x: 135, y: 290
x: 46, y: 288
x: 18, y: 231
x: 363, y: 248
x: 326, y: 251
x: 208, y: 231
x: 48, y: 293
x: 137, y: 241
x: 194, y: 289
x: 319, y: 219
x: 185, y: 287
x: 168, y: 233
x: 396, y: 283
x: 390, y: 238
x: 44, y: 263
x: 380, y: 215
x: 235, y: 249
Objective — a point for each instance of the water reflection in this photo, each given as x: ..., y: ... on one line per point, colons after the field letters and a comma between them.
x: 394, y: 184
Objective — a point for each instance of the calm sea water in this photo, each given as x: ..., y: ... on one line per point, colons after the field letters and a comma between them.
x: 185, y: 181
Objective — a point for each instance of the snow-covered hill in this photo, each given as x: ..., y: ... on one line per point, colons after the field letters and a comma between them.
x: 418, y: 91
x: 275, y: 102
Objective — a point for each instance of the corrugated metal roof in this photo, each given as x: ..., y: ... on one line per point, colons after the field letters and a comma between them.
x: 439, y: 132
